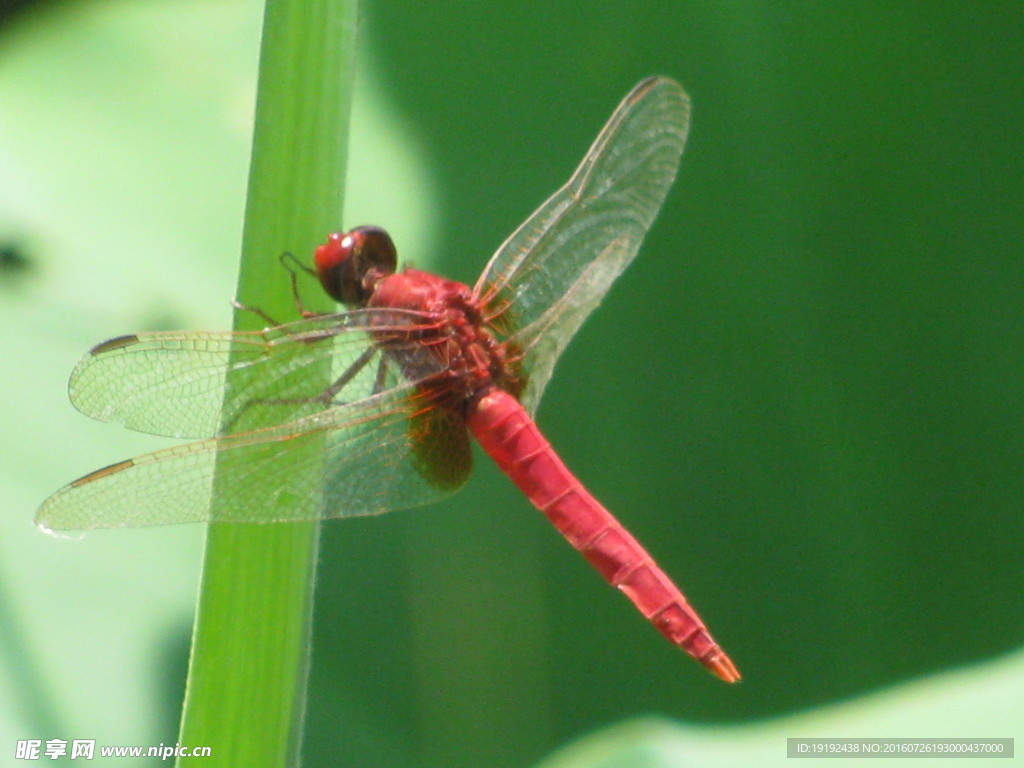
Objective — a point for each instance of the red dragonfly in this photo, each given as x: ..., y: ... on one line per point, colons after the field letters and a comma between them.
x: 419, y: 363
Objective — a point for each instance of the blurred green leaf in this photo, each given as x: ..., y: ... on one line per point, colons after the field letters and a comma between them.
x: 980, y: 702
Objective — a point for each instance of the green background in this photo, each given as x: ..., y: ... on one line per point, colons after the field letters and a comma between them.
x: 804, y: 396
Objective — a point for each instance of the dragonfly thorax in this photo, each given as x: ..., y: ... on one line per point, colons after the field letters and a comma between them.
x: 453, y: 347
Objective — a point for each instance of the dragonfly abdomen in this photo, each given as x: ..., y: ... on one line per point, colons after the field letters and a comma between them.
x: 510, y: 436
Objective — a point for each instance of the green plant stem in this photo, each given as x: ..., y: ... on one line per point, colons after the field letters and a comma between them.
x: 247, y: 674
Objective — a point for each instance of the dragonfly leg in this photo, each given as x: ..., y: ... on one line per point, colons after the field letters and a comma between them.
x: 271, y: 322
x: 357, y: 365
x: 291, y: 263
x: 324, y: 398
x: 382, y: 372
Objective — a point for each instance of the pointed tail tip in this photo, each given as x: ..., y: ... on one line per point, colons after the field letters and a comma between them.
x: 723, y: 668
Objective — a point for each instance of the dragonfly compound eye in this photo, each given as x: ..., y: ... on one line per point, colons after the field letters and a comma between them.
x: 349, y: 264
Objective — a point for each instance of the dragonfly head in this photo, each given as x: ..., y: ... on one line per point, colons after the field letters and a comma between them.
x: 350, y: 263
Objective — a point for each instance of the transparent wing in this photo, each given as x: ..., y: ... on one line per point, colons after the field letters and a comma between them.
x: 176, y: 383
x: 371, y: 455
x: 554, y: 270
